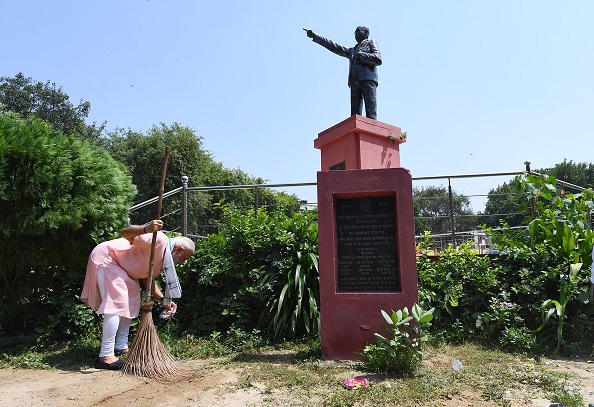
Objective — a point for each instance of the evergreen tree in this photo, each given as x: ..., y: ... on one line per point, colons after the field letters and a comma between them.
x: 59, y: 196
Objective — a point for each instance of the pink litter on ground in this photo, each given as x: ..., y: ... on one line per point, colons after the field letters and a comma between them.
x: 357, y: 383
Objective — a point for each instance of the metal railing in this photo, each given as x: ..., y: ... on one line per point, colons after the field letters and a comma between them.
x: 451, y: 192
x: 443, y: 239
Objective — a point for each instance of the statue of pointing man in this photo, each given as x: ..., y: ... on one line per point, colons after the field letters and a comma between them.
x: 364, y: 57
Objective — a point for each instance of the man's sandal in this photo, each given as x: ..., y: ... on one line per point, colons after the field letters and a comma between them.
x: 117, y: 365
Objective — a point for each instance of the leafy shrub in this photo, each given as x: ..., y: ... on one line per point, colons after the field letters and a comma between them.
x: 457, y: 285
x: 71, y: 318
x: 298, y: 300
x: 559, y: 222
x: 518, y: 339
x: 543, y: 269
x: 258, y: 272
x: 503, y: 320
x: 59, y: 196
x: 527, y: 274
x: 402, y: 353
x: 238, y: 340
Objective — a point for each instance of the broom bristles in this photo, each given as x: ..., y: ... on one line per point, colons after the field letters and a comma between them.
x: 147, y: 356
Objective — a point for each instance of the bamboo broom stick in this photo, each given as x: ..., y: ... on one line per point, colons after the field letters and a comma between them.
x: 147, y: 356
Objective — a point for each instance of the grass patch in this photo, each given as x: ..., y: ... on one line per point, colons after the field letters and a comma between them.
x: 27, y: 353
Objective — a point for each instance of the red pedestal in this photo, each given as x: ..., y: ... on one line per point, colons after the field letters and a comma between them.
x: 360, y: 143
x: 348, y: 240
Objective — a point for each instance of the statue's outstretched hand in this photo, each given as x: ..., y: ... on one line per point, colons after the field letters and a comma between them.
x: 309, y: 33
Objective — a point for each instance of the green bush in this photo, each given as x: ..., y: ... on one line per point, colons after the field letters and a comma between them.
x: 504, y: 321
x: 258, y: 272
x: 401, y: 353
x: 457, y: 284
x: 559, y: 223
x: 540, y: 274
x: 59, y: 196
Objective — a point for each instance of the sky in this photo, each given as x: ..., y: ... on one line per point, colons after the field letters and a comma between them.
x: 479, y: 86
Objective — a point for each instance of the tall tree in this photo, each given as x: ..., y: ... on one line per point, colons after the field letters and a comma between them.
x: 505, y: 201
x: 432, y: 211
x: 503, y: 204
x: 142, y: 154
x: 48, y: 102
x: 580, y: 174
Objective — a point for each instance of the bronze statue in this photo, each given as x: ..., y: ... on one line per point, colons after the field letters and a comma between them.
x: 364, y: 58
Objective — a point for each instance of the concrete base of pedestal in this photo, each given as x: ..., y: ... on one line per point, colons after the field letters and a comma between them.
x: 350, y: 318
x: 360, y: 143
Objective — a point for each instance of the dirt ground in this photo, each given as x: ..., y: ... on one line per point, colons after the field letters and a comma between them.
x: 212, y: 386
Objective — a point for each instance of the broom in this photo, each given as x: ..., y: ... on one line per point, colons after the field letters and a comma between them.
x: 147, y: 356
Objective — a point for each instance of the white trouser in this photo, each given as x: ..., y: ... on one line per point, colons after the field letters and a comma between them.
x: 115, y: 328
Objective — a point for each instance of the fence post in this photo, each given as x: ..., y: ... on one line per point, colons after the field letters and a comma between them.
x: 256, y: 203
x: 184, y: 205
x: 532, y: 204
x: 452, y: 212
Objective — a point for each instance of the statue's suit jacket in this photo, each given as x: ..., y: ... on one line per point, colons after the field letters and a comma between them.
x: 363, y: 57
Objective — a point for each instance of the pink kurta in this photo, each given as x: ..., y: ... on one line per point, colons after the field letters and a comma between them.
x: 122, y: 264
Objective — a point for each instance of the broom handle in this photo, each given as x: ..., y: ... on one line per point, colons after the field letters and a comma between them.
x: 154, y: 241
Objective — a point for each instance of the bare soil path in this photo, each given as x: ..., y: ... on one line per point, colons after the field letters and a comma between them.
x: 206, y: 385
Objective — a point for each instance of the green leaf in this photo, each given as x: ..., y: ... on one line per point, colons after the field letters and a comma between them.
x: 281, y: 298
x: 297, y: 275
x: 415, y: 311
x: 387, y: 317
x: 568, y: 239
x: 574, y: 270
x: 314, y: 259
x: 427, y: 316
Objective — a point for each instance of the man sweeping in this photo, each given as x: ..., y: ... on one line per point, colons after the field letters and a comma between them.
x: 112, y: 285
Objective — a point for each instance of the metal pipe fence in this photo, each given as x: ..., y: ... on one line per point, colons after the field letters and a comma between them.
x: 177, y: 217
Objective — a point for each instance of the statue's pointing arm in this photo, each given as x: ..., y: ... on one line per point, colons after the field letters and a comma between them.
x: 328, y: 44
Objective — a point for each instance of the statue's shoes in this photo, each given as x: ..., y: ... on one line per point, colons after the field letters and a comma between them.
x: 120, y: 352
x: 117, y: 365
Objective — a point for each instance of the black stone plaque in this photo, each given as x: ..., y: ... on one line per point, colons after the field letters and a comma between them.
x: 366, y: 244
